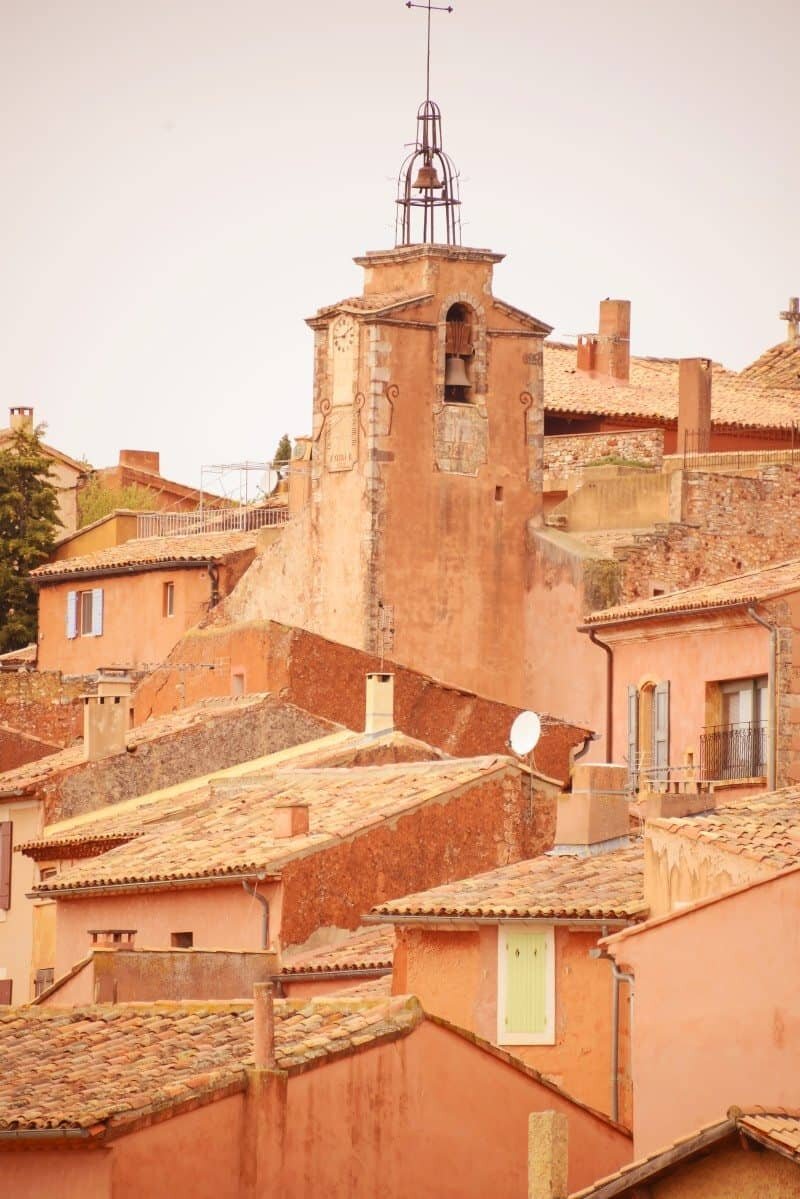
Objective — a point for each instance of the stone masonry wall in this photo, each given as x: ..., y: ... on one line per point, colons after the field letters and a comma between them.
x: 566, y: 455
x: 40, y: 713
x: 731, y: 525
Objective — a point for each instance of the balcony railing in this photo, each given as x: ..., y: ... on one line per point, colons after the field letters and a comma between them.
x: 211, y: 520
x: 733, y: 751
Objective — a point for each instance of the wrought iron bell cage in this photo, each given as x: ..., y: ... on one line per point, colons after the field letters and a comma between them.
x: 430, y: 172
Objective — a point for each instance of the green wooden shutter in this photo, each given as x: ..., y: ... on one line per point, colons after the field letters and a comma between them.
x: 526, y: 981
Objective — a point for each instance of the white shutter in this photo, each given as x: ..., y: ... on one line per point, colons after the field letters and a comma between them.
x: 72, y: 614
x: 661, y: 730
x: 97, y: 611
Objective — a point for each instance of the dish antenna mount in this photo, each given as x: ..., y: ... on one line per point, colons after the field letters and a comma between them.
x: 523, y: 739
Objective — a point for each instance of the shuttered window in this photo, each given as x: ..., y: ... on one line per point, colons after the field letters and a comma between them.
x: 85, y: 613
x: 72, y: 614
x: 526, y: 993
x: 661, y: 731
x: 6, y: 986
x: 6, y: 829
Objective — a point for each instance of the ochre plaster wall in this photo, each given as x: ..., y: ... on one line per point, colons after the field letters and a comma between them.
x: 454, y: 975
x: 100, y: 535
x: 69, y: 1174
x: 135, y: 630
x: 16, y: 923
x: 732, y: 1173
x: 416, y: 1111
x: 219, y: 917
x: 716, y: 1019
x: 681, y: 870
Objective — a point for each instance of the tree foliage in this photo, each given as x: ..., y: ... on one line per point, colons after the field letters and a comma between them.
x: 28, y: 524
x: 96, y: 500
x: 283, y: 452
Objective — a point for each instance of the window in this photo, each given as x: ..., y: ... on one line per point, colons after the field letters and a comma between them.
x: 526, y: 985
x: 43, y: 980
x: 85, y: 613
x: 648, y: 733
x: 237, y: 683
x: 733, y: 744
x: 168, y: 602
x: 6, y: 986
x: 182, y: 940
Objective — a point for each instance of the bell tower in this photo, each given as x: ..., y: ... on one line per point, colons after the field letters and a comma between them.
x: 427, y: 443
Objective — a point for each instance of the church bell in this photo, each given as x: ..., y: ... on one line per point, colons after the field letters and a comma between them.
x: 427, y: 179
x: 455, y: 373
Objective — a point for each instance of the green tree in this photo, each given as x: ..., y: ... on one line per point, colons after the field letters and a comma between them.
x: 28, y: 523
x: 283, y: 452
x: 96, y: 500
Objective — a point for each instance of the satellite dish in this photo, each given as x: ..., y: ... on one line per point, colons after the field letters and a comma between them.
x: 525, y: 733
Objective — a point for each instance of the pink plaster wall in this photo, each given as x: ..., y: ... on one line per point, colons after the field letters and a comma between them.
x: 454, y: 975
x: 67, y: 1174
x: 716, y: 1020
x: 219, y: 917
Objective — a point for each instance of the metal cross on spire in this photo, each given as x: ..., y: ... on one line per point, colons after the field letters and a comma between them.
x: 429, y: 8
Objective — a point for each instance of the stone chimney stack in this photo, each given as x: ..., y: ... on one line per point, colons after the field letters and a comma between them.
x: 264, y: 1026
x: 20, y: 419
x: 380, y: 703
x: 607, y: 353
x: 107, y: 717
x: 146, y: 460
x: 547, y: 1155
x: 290, y: 820
x: 694, y: 404
x: 595, y: 811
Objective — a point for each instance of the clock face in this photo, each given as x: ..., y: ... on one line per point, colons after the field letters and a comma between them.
x: 344, y: 334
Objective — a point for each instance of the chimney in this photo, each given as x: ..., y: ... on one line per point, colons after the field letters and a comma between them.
x: 146, y: 460
x: 694, y: 404
x: 20, y: 419
x: 614, y: 340
x: 547, y: 1155
x: 107, y: 717
x: 595, y: 812
x: 290, y: 820
x: 264, y: 1026
x: 380, y: 703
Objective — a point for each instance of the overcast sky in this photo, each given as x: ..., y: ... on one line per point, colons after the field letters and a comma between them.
x: 184, y: 181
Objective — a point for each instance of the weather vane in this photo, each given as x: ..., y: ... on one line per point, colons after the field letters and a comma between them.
x: 429, y: 8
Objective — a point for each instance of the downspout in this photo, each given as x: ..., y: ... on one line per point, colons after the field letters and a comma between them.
x: 595, y: 640
x: 772, y: 727
x: 618, y: 976
x: 213, y: 574
x: 264, y: 915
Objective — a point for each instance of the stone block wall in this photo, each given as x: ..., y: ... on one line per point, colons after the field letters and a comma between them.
x: 40, y: 713
x: 567, y: 455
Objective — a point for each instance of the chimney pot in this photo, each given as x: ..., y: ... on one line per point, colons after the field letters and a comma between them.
x: 380, y: 703
x: 21, y: 419
x: 264, y: 1026
x: 547, y: 1155
x: 107, y: 718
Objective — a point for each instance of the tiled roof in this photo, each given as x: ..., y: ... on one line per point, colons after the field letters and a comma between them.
x: 77, y: 1068
x: 373, y: 304
x: 777, y: 367
x: 366, y: 949
x: 149, y: 551
x: 765, y: 829
x: 652, y: 393
x: 24, y: 656
x: 775, y: 1128
x: 747, y: 588
x: 599, y: 886
x: 232, y: 834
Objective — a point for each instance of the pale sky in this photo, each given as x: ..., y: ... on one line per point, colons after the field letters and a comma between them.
x: 184, y: 181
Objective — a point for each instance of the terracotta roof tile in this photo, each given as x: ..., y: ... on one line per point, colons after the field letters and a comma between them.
x: 75, y: 1068
x: 764, y: 829
x: 652, y: 393
x: 148, y: 551
x: 777, y: 367
x: 774, y: 1126
x: 375, y: 303
x: 369, y: 948
x: 232, y: 832
x: 753, y: 586
x: 598, y: 886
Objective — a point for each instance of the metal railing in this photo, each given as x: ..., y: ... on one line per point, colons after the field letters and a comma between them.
x: 697, y: 451
x: 733, y: 751
x: 211, y: 520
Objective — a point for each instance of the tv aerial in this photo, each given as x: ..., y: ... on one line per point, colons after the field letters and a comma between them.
x: 523, y: 739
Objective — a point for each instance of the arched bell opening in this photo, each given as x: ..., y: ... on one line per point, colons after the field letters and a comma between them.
x: 459, y: 350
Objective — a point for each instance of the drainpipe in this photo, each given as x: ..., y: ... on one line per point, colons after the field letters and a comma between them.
x: 587, y: 742
x: 772, y: 726
x: 213, y: 574
x: 619, y: 976
x: 595, y: 640
x: 265, y: 913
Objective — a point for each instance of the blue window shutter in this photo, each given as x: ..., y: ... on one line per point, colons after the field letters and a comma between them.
x: 72, y: 614
x: 661, y: 730
x: 97, y: 612
x: 633, y: 735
